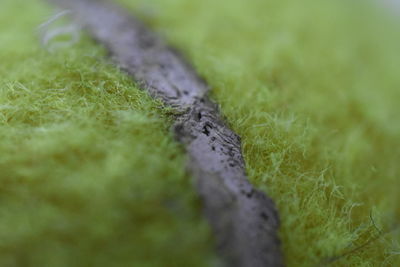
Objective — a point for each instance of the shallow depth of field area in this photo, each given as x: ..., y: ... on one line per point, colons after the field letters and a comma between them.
x: 90, y: 174
x: 313, y: 89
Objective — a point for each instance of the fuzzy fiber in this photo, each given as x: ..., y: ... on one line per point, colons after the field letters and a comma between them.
x: 90, y: 174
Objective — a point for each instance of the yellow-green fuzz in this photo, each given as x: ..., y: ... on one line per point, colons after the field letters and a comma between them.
x: 90, y: 174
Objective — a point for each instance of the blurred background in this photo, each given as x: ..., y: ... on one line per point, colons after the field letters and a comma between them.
x: 90, y: 174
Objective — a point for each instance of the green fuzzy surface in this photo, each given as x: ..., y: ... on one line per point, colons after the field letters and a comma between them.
x: 312, y: 87
x: 90, y: 174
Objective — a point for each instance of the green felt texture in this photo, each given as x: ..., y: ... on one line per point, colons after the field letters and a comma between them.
x: 89, y: 172
x: 90, y: 175
x: 313, y: 89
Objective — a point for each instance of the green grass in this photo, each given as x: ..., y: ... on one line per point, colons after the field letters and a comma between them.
x: 89, y: 172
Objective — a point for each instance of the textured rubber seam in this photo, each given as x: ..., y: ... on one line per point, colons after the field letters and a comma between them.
x: 244, y: 220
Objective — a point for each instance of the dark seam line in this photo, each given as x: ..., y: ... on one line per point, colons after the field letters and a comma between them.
x: 244, y: 220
